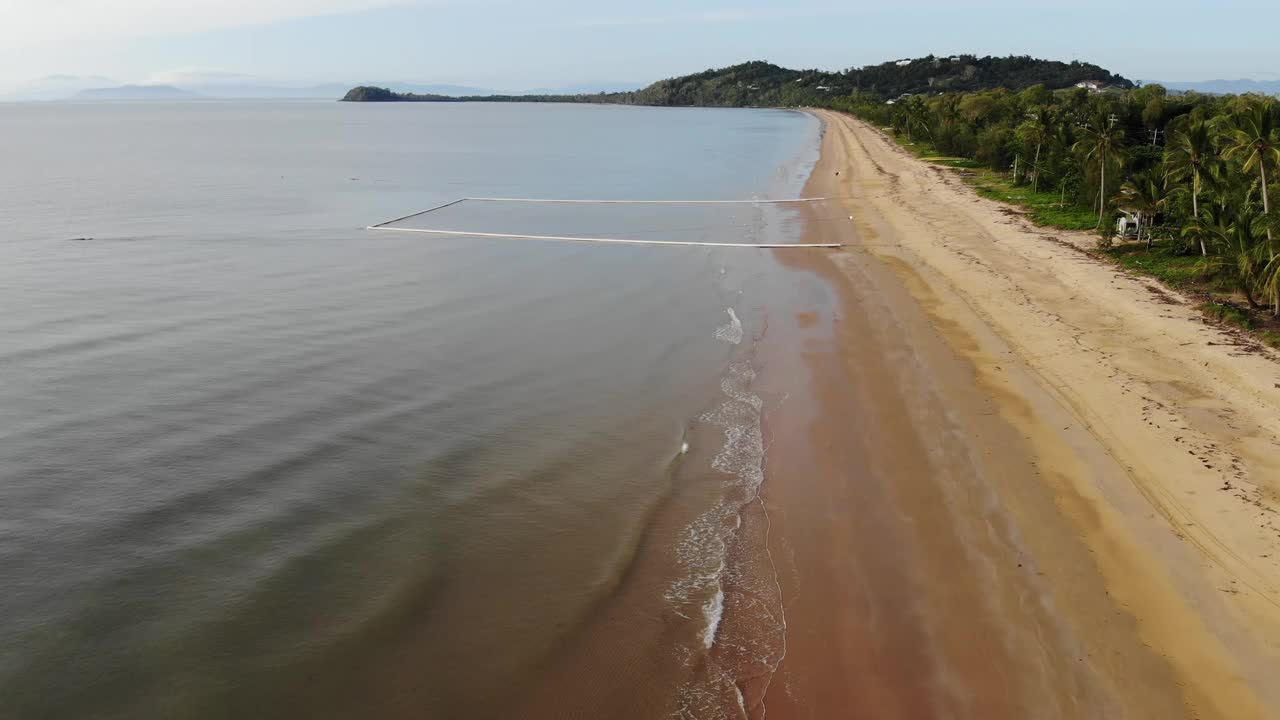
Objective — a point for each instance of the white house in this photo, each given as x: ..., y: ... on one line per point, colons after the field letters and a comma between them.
x: 1090, y: 85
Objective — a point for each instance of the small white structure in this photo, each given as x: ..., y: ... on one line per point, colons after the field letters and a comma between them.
x: 1090, y: 85
x: 1127, y: 225
x: 903, y: 63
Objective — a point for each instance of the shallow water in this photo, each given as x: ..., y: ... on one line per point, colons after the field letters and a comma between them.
x: 256, y: 459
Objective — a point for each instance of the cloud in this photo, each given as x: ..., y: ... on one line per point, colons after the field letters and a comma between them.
x: 796, y: 10
x: 726, y: 15
x: 762, y: 11
x: 41, y: 23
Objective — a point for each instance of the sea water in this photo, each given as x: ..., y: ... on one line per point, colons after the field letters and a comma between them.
x: 255, y: 459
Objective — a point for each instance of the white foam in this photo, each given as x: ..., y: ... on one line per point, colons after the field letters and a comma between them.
x: 703, y: 546
x: 713, y: 611
x: 709, y: 585
x: 703, y: 549
x: 743, y: 453
x: 730, y: 332
x: 720, y: 698
x: 701, y: 553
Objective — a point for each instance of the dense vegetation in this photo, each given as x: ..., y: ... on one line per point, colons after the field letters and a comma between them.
x: 763, y: 84
x: 366, y: 93
x: 966, y: 73
x: 1195, y: 174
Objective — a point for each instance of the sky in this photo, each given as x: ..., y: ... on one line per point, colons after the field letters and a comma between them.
x: 524, y: 44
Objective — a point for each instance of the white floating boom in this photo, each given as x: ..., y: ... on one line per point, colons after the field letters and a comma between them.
x: 620, y: 241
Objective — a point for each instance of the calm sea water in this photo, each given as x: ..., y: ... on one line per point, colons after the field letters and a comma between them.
x: 257, y: 460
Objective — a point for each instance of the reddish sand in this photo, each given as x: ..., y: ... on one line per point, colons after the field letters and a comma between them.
x: 987, y: 509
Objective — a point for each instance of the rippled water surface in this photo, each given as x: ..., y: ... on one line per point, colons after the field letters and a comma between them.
x: 257, y: 460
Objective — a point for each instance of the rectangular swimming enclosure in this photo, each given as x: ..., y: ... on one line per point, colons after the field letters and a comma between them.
x: 731, y: 223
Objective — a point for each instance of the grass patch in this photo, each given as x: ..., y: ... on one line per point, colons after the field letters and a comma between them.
x: 1043, y: 208
x: 954, y: 162
x: 1163, y: 262
x: 919, y: 148
x: 1236, y: 316
x: 1228, y: 315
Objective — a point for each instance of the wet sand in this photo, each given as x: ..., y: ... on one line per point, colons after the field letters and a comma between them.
x: 1019, y: 485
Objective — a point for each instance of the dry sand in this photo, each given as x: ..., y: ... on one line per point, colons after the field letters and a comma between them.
x: 1025, y: 485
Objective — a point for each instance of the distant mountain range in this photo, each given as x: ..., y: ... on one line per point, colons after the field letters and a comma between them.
x: 1224, y: 87
x: 96, y: 87
x: 58, y: 87
x: 135, y: 92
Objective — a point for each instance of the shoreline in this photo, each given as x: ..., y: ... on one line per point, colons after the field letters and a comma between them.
x: 1040, y: 518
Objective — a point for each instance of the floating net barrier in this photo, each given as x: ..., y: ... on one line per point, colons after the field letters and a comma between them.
x: 725, y: 223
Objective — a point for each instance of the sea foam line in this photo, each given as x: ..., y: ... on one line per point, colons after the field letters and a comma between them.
x: 705, y: 546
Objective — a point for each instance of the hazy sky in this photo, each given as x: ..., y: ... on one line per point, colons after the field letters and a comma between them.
x: 510, y: 44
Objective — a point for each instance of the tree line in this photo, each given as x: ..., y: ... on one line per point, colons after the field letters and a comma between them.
x: 763, y: 84
x: 1196, y: 172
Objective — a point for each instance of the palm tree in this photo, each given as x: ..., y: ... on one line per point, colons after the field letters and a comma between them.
x: 1146, y: 194
x: 1269, y: 275
x: 1191, y: 155
x: 1254, y: 136
x: 1102, y: 143
x: 916, y: 112
x: 1035, y: 131
x: 1235, y: 229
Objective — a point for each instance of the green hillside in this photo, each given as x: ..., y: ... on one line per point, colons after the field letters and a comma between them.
x: 760, y: 83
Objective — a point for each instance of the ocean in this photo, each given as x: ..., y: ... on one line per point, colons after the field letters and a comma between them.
x: 258, y: 460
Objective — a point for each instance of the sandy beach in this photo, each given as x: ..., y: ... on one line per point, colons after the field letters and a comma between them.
x: 1064, y: 503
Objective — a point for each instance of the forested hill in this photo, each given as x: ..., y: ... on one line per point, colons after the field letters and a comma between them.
x: 761, y: 83
x: 966, y: 73
x: 764, y: 84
